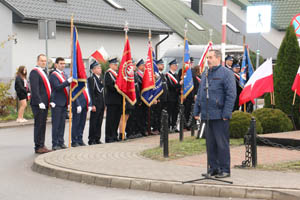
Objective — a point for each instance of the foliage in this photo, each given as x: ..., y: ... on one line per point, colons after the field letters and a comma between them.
x: 6, y: 99
x: 273, y: 120
x: 285, y: 166
x: 288, y: 60
x: 190, y: 146
x: 253, y: 59
x: 240, y: 124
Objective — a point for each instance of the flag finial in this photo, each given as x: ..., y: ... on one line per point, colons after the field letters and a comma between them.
x: 126, y: 29
x: 149, y: 34
x: 185, y: 29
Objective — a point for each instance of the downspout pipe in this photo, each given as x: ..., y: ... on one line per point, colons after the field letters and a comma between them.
x: 156, y: 46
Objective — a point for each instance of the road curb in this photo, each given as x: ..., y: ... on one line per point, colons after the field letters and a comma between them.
x: 42, y: 167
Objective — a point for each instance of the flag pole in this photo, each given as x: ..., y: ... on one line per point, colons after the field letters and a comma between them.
x: 294, y: 97
x: 126, y: 29
x: 274, y: 98
x: 271, y: 95
x: 244, y: 44
x: 149, y: 107
x: 70, y: 91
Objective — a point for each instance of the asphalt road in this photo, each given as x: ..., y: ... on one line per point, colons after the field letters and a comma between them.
x: 17, y: 181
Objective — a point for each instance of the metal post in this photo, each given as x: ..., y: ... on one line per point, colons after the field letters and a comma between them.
x: 253, y: 142
x: 165, y: 132
x: 257, y: 63
x: 46, y: 40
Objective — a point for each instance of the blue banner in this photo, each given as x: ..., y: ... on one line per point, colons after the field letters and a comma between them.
x: 188, y: 84
x: 246, y: 69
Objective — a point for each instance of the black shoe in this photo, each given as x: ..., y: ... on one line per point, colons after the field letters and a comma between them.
x: 63, y: 146
x: 213, y: 173
x: 54, y: 148
x: 82, y: 144
x: 223, y: 175
x: 98, y: 142
x: 75, y: 145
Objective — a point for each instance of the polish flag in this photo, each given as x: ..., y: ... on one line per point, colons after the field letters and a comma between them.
x: 296, y: 84
x: 259, y: 83
x: 100, y: 55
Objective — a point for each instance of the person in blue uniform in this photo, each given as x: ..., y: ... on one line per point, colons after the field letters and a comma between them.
x: 96, y: 91
x: 222, y: 94
x: 40, y: 99
x: 59, y: 102
x: 229, y: 62
x: 173, y: 84
x: 113, y: 101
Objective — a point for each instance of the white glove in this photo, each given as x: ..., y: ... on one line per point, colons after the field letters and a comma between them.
x: 42, y: 106
x: 90, y: 108
x: 79, y: 109
x: 52, y: 104
x: 70, y: 79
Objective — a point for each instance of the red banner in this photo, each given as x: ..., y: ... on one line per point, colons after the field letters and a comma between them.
x: 148, y: 78
x: 125, y: 79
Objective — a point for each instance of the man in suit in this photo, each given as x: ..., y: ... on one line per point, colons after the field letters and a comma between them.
x: 59, y: 102
x: 96, y: 89
x: 217, y: 110
x: 40, y: 99
x: 173, y: 84
x: 113, y: 101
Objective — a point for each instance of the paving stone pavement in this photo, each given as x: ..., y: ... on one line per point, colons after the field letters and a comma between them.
x: 121, y: 165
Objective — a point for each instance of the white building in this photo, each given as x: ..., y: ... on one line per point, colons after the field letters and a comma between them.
x: 99, y: 23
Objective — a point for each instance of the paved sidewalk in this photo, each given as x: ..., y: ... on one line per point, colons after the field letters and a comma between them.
x: 120, y: 165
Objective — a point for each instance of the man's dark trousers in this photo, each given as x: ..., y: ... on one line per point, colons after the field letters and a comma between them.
x: 40, y: 118
x: 78, y: 124
x: 96, y: 120
x: 218, y: 145
x: 58, y: 125
x: 113, y: 115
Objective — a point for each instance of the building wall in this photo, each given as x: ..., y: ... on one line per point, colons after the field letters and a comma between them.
x: 174, y: 40
x: 6, y: 50
x: 29, y: 46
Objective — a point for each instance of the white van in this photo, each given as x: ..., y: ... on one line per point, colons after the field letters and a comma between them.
x: 196, y: 52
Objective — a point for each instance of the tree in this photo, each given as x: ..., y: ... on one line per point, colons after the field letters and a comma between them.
x: 288, y: 60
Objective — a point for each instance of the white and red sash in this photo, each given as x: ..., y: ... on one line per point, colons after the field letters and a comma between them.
x: 61, y: 80
x: 87, y: 97
x: 198, y: 79
x: 141, y: 75
x: 113, y: 74
x: 45, y: 81
x: 172, y: 78
x: 27, y: 89
x: 237, y: 76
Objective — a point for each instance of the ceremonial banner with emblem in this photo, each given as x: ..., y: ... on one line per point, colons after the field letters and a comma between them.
x: 78, y: 69
x: 125, y: 80
x: 149, y: 96
x: 246, y: 69
x: 188, y: 84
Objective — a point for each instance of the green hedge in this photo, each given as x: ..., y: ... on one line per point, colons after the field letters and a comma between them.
x: 240, y: 123
x: 273, y: 120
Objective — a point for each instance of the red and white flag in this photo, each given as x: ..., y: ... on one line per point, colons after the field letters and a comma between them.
x: 100, y: 55
x: 296, y: 84
x: 259, y: 83
x: 203, y: 57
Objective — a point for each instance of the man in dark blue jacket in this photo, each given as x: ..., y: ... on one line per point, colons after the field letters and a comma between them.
x: 40, y: 98
x: 221, y: 98
x: 59, y: 102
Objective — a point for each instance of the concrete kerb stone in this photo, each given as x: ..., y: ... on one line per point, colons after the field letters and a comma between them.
x: 40, y: 166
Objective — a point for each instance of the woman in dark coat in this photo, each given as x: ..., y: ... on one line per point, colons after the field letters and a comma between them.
x: 22, y: 90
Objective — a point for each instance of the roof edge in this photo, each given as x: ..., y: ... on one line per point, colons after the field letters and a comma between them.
x: 12, y: 8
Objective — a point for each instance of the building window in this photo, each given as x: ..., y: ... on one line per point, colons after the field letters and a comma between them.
x: 115, y: 4
x: 233, y: 28
x: 196, y: 25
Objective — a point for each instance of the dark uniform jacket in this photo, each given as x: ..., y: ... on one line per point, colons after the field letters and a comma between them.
x: 112, y: 97
x: 58, y: 95
x: 38, y: 90
x: 222, y: 94
x: 96, y: 91
x: 164, y: 96
x: 173, y: 87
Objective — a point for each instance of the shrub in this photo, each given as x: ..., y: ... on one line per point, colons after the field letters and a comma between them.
x: 240, y: 123
x: 288, y: 60
x: 5, y: 99
x: 273, y: 120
